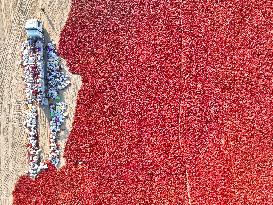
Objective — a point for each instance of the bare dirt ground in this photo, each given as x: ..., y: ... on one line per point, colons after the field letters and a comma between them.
x: 13, y: 138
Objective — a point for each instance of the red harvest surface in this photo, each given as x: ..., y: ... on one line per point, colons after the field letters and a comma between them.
x: 176, y: 105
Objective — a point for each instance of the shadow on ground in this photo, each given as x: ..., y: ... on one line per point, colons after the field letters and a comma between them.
x: 45, y: 109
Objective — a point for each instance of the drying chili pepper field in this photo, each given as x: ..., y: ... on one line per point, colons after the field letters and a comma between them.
x: 175, y: 106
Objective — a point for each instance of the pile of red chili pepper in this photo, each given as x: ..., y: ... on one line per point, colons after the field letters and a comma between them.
x: 175, y: 107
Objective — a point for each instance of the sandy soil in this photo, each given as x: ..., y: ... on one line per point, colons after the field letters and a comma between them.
x: 13, y: 138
